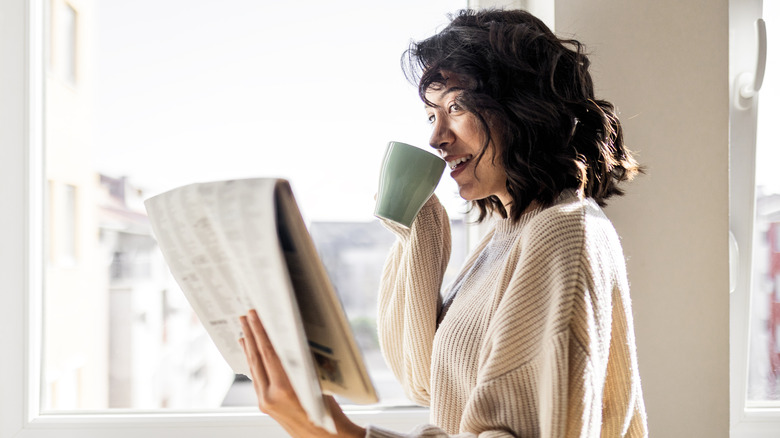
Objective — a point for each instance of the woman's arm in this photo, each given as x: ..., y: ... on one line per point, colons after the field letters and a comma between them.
x: 409, y: 297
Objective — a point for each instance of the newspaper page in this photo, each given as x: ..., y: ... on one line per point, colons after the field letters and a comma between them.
x: 221, y: 244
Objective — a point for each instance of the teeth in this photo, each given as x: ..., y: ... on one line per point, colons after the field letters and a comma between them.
x: 454, y: 163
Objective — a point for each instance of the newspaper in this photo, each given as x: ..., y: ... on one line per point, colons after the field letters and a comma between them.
x: 242, y: 244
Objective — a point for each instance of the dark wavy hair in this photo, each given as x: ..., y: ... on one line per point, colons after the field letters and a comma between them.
x: 533, y: 92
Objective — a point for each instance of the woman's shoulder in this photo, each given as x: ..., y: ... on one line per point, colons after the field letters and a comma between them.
x: 568, y: 211
x: 571, y: 219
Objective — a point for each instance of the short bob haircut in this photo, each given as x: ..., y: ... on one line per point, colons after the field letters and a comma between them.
x: 533, y: 95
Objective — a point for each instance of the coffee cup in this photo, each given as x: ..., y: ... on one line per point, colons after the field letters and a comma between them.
x: 407, y: 179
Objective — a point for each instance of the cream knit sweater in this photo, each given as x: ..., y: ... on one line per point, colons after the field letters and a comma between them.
x: 539, y: 340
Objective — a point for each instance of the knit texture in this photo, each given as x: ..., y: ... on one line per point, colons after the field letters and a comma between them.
x: 538, y: 340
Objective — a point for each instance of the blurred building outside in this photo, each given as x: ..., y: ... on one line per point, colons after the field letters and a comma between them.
x: 764, y: 370
x: 75, y: 331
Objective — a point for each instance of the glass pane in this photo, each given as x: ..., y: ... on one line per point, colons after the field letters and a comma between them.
x: 176, y: 92
x: 764, y: 363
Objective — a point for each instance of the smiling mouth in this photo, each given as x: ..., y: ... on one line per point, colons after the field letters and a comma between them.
x: 458, y: 162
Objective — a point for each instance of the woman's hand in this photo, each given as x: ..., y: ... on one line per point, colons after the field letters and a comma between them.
x: 276, y: 396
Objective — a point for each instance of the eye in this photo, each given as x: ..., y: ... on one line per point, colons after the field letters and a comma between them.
x: 431, y: 118
x: 454, y: 107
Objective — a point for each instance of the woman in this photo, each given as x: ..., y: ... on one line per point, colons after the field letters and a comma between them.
x: 535, y: 337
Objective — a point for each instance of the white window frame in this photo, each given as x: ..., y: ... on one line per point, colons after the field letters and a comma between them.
x: 22, y: 185
x: 746, y: 421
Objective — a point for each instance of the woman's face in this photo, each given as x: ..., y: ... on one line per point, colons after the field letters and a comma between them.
x: 458, y: 137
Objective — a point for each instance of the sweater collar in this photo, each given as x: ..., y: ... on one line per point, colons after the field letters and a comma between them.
x: 504, y: 227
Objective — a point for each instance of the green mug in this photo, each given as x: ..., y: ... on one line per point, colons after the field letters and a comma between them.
x: 408, y: 178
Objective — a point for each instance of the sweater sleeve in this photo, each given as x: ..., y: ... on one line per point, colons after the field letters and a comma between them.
x: 409, y: 297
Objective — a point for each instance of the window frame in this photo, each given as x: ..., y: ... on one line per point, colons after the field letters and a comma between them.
x: 22, y: 185
x: 746, y: 421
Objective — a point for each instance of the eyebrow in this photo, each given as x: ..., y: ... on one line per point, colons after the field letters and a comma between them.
x: 445, y: 94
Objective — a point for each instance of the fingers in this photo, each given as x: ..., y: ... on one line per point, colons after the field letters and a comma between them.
x: 271, y: 362
x: 275, y: 394
x: 253, y: 356
x: 344, y: 425
x: 264, y: 363
x: 333, y: 406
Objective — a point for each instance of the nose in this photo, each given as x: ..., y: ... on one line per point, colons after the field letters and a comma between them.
x: 442, y: 136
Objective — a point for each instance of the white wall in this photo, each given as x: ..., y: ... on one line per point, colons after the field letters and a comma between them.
x: 665, y: 65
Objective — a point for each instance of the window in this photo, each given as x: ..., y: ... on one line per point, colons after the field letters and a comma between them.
x: 49, y: 380
x: 79, y: 359
x: 232, y: 103
x: 764, y: 363
x: 755, y: 215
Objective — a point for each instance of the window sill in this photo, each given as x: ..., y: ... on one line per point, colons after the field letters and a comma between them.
x: 756, y: 423
x: 237, y: 423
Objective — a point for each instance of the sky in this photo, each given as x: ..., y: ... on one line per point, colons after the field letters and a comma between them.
x: 311, y: 91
